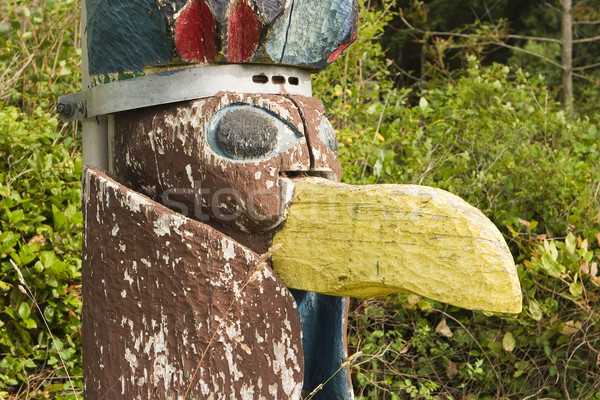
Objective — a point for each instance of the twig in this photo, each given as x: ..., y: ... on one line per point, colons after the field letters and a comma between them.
x: 475, y: 341
x: 342, y: 365
x: 24, y: 287
x: 535, y: 38
x: 586, y: 22
x: 587, y: 40
x: 587, y: 67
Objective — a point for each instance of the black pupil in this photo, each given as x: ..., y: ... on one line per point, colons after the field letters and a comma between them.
x: 246, y: 134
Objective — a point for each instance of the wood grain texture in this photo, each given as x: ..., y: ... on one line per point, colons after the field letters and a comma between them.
x: 125, y: 35
x: 366, y: 241
x: 195, y: 32
x: 164, y: 153
x: 324, y: 341
x: 322, y: 157
x: 243, y: 32
x: 309, y: 32
x: 164, y: 295
x: 129, y: 38
x: 270, y: 9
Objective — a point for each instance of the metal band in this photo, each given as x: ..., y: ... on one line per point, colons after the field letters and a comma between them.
x: 184, y: 84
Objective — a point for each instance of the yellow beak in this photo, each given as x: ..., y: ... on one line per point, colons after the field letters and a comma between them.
x: 367, y: 241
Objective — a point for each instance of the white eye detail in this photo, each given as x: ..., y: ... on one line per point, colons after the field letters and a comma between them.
x: 247, y: 133
x: 327, y: 135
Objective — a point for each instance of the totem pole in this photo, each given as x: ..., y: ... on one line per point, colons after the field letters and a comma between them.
x: 219, y: 243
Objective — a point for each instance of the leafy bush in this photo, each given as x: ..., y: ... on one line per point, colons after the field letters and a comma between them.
x: 495, y: 137
x: 430, y: 350
x: 40, y: 242
x: 40, y: 52
x: 40, y: 216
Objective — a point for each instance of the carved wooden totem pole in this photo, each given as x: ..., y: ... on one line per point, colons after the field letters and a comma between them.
x: 218, y: 240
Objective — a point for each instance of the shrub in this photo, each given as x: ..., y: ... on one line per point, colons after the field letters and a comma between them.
x: 39, y: 52
x: 495, y: 137
x: 40, y: 242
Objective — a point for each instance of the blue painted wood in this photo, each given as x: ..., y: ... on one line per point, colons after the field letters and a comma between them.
x: 310, y: 31
x: 323, y: 332
x: 170, y: 7
x: 219, y: 10
x: 125, y: 35
x: 270, y: 9
x: 130, y: 35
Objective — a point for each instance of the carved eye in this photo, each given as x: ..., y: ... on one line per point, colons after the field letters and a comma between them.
x: 327, y: 135
x: 245, y: 132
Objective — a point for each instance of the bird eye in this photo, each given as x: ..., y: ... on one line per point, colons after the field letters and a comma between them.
x: 245, y: 132
x: 327, y: 135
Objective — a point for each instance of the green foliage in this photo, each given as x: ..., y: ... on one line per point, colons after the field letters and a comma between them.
x: 492, y: 137
x: 490, y: 134
x: 40, y: 213
x: 430, y: 40
x: 359, y: 93
x: 39, y: 51
x: 495, y: 137
x: 40, y: 242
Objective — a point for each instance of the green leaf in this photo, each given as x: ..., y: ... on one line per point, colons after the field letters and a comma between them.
x: 423, y: 104
x: 576, y: 289
x: 508, y: 342
x: 49, y: 313
x: 571, y: 243
x: 59, y: 218
x: 377, y: 334
x: 16, y: 216
x: 532, y: 224
x: 4, y: 286
x: 24, y: 310
x: 535, y: 310
x: 29, y: 323
x: 8, y: 241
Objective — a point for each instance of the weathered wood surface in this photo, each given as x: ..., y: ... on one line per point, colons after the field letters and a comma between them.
x: 241, y: 145
x: 324, y: 341
x: 125, y: 35
x: 202, y: 179
x: 129, y: 38
x: 164, y: 296
x: 313, y: 33
x: 366, y: 241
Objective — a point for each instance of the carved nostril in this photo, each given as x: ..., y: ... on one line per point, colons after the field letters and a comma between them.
x: 246, y: 134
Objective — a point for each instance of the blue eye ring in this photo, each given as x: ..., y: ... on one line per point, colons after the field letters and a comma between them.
x: 276, y: 136
x: 327, y: 135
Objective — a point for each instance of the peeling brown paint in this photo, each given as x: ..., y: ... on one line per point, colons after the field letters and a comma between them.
x: 164, y: 295
x: 164, y: 152
x: 323, y: 159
